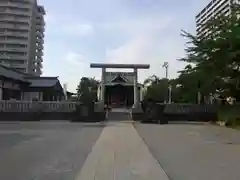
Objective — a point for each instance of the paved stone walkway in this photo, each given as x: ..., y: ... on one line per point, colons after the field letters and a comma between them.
x: 120, y: 154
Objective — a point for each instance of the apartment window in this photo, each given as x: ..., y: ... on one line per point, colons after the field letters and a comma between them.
x: 18, y: 30
x: 20, y: 1
x: 19, y: 9
x: 16, y: 22
x: 22, y: 16
x: 16, y: 38
x: 40, y: 32
x: 16, y: 45
x: 3, y: 8
x: 38, y: 38
x: 3, y: 15
x: 18, y: 61
x: 209, y: 5
x: 21, y: 69
x: 16, y: 53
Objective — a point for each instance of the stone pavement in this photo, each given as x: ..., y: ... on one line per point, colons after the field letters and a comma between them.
x: 121, y: 154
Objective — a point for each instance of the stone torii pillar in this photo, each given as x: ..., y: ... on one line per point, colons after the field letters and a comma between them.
x: 102, y: 96
x: 135, y: 67
x: 135, y: 86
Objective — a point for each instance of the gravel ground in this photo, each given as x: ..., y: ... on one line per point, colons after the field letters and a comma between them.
x: 45, y: 150
x: 194, y: 151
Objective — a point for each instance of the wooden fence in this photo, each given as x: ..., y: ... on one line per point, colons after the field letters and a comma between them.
x: 44, y: 106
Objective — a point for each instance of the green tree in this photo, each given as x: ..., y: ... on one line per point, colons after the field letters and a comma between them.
x: 215, y: 58
x: 158, y: 89
x: 87, y: 89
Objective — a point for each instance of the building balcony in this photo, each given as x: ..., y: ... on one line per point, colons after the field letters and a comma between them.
x: 16, y: 34
x: 14, y: 57
x: 13, y: 26
x: 40, y: 34
x: 39, y: 47
x: 40, y: 40
x: 40, y: 22
x: 27, y: 4
x: 7, y: 49
x: 37, y: 71
x: 40, y: 28
x: 15, y: 19
x: 39, y: 53
x: 38, y: 59
x: 8, y: 41
x: 41, y: 10
x: 38, y: 65
x: 16, y: 12
x: 14, y: 64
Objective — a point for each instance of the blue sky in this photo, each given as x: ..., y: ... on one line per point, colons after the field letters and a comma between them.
x: 115, y: 31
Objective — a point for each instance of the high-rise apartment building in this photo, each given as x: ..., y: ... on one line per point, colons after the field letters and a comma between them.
x: 213, y: 9
x: 22, y: 29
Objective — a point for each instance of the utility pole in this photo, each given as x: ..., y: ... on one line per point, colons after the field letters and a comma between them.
x: 170, y: 94
x: 166, y: 66
x: 65, y: 91
x: 199, y: 97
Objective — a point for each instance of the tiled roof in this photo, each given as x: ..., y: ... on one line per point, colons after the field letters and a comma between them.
x: 119, y: 78
x: 128, y: 76
x: 42, y: 81
x: 11, y: 73
x: 34, y: 81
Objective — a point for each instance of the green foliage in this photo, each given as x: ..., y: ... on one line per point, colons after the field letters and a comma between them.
x: 230, y: 115
x: 157, y: 89
x: 216, y: 57
x: 213, y: 63
x: 87, y: 89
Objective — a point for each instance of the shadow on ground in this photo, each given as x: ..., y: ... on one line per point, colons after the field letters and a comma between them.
x: 176, y: 123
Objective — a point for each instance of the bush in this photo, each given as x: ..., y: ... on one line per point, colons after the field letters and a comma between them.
x: 233, y: 122
x: 230, y: 115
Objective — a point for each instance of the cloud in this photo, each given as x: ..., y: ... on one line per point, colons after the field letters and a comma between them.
x: 152, y: 45
x: 76, y: 66
x: 135, y: 51
x: 146, y: 50
x: 75, y: 58
x: 139, y: 25
x: 77, y: 29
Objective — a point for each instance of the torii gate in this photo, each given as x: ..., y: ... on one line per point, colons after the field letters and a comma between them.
x: 135, y: 67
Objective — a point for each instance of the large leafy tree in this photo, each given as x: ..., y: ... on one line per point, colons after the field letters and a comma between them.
x: 215, y: 57
x: 158, y: 89
x: 87, y: 89
x: 213, y: 63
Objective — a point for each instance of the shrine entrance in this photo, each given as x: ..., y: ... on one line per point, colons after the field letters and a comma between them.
x: 119, y: 95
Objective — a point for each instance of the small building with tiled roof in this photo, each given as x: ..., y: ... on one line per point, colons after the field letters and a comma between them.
x: 22, y: 86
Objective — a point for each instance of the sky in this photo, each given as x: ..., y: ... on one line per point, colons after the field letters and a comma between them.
x: 80, y: 32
